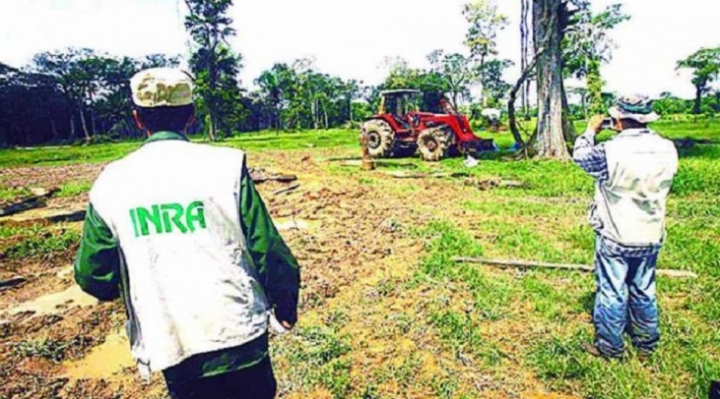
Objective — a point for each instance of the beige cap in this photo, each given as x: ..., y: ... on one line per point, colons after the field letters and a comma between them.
x: 161, y: 87
x: 637, y: 107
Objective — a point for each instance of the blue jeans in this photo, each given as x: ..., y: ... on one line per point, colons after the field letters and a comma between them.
x: 625, y: 301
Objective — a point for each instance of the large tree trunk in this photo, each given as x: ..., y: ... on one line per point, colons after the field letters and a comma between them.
x: 550, y: 140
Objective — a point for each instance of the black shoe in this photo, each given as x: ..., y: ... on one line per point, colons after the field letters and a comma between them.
x: 595, y: 351
x: 644, y: 354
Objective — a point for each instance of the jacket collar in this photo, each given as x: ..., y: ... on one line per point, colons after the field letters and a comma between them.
x: 164, y: 136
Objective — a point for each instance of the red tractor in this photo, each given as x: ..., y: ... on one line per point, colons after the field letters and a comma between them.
x: 400, y: 129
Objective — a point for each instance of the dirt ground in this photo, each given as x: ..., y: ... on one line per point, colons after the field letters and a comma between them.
x: 344, y: 230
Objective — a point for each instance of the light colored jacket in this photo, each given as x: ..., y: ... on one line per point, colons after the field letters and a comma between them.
x: 173, y: 207
x: 630, y: 204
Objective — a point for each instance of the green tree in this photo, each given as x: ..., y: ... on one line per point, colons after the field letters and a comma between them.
x: 457, y: 71
x: 486, y: 22
x: 69, y: 69
x: 491, y: 78
x: 705, y: 66
x: 215, y: 65
x: 587, y: 46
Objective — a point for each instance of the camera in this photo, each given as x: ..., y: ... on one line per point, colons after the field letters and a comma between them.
x: 607, y: 124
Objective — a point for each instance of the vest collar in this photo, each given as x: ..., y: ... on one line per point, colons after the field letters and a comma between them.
x: 164, y: 136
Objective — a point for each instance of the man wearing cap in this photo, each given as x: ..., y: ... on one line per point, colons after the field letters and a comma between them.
x: 179, y: 231
x: 633, y: 173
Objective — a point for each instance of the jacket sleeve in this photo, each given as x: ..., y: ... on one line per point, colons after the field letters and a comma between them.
x: 277, y: 268
x: 97, y: 267
x: 591, y: 157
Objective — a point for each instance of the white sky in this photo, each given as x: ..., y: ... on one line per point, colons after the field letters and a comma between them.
x: 350, y: 38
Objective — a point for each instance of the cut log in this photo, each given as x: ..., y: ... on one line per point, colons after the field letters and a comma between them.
x: 12, y: 282
x: 486, y: 184
x: 286, y: 189
x: 523, y: 264
x: 35, y: 201
x: 260, y: 176
x: 74, y: 216
x: 438, y: 175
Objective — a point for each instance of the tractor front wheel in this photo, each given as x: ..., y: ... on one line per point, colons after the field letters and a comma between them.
x: 433, y: 144
x: 380, y: 138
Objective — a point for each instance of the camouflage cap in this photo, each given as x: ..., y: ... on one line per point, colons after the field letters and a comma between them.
x: 636, y: 107
x: 162, y: 87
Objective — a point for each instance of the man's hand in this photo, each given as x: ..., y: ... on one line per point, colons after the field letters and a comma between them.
x: 287, y: 325
x: 595, y: 123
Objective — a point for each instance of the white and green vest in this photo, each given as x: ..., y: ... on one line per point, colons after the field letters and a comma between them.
x: 173, y: 207
x: 630, y: 206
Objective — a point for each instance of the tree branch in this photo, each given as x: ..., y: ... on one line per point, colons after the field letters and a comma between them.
x: 512, y: 120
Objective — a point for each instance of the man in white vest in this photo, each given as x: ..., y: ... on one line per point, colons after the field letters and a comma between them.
x: 633, y: 172
x: 179, y: 231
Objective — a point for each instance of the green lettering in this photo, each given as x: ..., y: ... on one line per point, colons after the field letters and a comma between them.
x: 144, y: 216
x: 175, y: 219
x: 133, y: 216
x: 195, y: 214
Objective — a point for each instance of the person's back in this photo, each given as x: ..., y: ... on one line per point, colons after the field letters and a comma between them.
x: 180, y: 230
x: 631, y: 202
x: 174, y: 207
x: 633, y: 175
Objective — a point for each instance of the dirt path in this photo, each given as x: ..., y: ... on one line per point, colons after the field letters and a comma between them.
x: 353, y: 239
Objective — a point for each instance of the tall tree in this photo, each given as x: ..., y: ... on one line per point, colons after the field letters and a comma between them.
x: 551, y: 20
x: 548, y: 32
x: 588, y: 45
x: 525, y: 54
x: 486, y: 22
x: 705, y: 66
x: 215, y: 65
x: 491, y: 78
x: 457, y: 71
x: 70, y: 70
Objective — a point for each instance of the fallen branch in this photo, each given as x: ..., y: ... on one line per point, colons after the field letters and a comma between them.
x: 582, y: 268
x: 74, y: 216
x: 27, y: 203
x: 487, y: 184
x: 438, y: 175
x: 286, y: 189
x: 259, y: 176
x: 12, y: 282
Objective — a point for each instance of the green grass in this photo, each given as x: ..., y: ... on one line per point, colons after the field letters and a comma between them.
x: 315, y: 355
x: 545, y: 222
x: 18, y: 243
x: 73, y: 189
x: 305, y: 140
x: 52, y: 349
x: 500, y: 323
x: 11, y: 193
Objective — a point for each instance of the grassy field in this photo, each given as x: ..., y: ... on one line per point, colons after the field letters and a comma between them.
x: 452, y: 330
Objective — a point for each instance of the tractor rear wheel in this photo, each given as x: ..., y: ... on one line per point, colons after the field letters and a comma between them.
x: 434, y: 144
x: 380, y: 138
